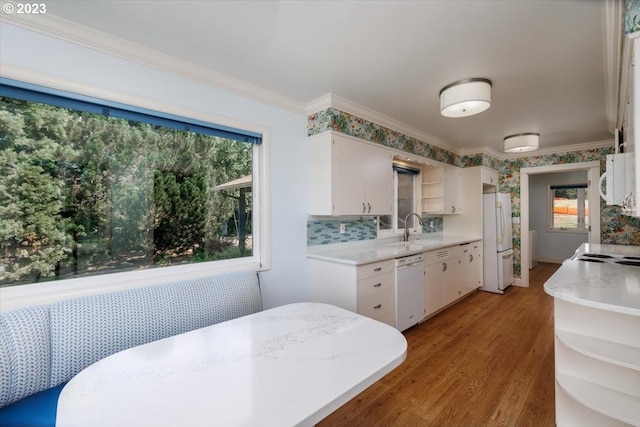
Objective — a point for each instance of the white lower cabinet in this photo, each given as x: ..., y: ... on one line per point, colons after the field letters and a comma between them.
x: 450, y: 274
x: 471, y: 261
x: 597, y: 363
x: 367, y: 289
x: 434, y: 281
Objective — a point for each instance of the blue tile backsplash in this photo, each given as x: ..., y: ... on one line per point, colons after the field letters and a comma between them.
x: 325, y: 231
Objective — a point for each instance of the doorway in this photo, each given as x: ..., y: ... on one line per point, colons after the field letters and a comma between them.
x: 593, y: 174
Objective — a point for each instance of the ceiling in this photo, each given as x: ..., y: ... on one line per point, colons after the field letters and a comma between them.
x: 546, y: 59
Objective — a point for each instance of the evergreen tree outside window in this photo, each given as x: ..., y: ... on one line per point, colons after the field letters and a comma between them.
x: 89, y: 189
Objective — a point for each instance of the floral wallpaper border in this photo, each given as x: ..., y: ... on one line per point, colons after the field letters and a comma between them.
x: 339, y: 121
x: 631, y: 16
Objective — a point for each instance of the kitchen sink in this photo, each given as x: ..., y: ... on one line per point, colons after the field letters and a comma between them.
x: 412, y: 245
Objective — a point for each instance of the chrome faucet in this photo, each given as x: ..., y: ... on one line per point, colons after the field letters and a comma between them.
x: 406, y: 230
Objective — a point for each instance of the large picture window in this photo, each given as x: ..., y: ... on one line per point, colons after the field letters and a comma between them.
x: 89, y: 188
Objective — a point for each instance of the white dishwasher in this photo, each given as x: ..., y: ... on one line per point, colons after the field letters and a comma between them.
x: 409, y: 291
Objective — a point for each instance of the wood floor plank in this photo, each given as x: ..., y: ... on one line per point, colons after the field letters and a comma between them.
x: 486, y: 361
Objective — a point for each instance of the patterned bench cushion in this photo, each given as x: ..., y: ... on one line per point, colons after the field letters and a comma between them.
x: 25, y: 353
x: 85, y: 330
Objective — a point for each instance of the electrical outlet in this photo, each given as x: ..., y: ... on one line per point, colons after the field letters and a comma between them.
x: 343, y: 228
x: 431, y: 224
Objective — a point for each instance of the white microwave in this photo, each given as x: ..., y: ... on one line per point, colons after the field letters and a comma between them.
x: 619, y: 180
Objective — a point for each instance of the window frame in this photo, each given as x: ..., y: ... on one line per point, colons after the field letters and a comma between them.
x: 25, y: 295
x: 583, y: 190
x: 395, y: 230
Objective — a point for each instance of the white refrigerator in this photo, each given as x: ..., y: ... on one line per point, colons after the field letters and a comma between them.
x: 496, y: 241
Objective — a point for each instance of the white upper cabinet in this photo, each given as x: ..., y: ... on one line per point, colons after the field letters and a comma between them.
x: 474, y: 181
x: 628, y: 118
x: 452, y: 182
x: 489, y: 176
x: 349, y: 176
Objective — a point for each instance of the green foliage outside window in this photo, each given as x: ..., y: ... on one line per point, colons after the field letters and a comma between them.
x: 84, y: 194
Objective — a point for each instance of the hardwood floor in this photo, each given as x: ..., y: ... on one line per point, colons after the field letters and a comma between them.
x: 486, y: 361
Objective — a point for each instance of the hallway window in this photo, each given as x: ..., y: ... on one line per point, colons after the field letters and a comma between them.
x: 568, y: 208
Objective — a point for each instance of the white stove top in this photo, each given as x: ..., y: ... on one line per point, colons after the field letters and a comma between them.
x: 610, y: 254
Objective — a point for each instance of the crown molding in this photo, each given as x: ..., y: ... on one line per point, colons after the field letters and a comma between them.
x: 80, y: 35
x: 342, y: 104
x: 609, y: 143
x: 561, y: 149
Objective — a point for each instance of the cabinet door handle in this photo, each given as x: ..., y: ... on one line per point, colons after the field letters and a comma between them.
x: 470, y: 258
x: 453, y: 209
x: 364, y: 207
x: 377, y: 269
x: 444, y: 266
x: 377, y: 285
x: 375, y: 307
x: 369, y: 204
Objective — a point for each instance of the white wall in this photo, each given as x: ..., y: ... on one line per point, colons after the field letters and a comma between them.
x: 64, y: 63
x: 552, y: 246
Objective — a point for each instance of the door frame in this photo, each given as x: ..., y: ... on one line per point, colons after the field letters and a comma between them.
x: 593, y: 174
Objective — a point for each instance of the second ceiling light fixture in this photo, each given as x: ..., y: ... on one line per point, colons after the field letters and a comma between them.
x: 472, y: 96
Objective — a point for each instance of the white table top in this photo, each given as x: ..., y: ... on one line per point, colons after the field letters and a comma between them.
x: 373, y: 251
x: 611, y: 287
x: 291, y: 365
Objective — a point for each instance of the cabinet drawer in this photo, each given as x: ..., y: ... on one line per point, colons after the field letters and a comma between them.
x: 433, y: 257
x: 376, y: 305
x: 471, y: 248
x: 443, y: 254
x: 374, y: 269
x: 375, y: 284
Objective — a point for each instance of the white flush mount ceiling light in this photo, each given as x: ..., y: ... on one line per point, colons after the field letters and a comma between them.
x: 521, y: 142
x: 465, y: 97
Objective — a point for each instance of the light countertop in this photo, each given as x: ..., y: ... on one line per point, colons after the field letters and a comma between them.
x: 373, y: 251
x: 611, y: 287
x: 290, y: 365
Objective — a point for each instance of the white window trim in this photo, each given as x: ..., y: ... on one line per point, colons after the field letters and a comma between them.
x: 14, y: 297
x: 417, y: 194
x: 550, y: 228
